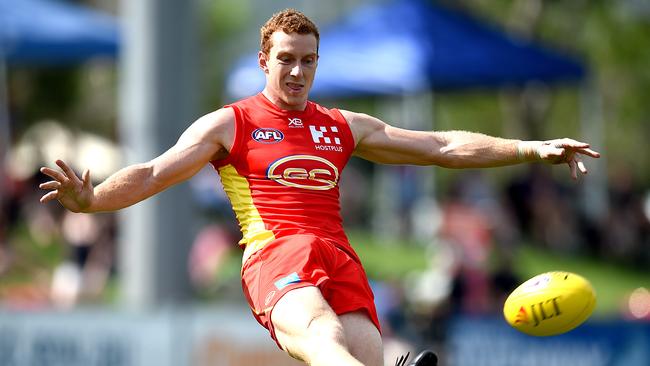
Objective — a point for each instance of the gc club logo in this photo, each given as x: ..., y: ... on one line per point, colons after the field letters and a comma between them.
x: 267, y: 135
x: 304, y: 171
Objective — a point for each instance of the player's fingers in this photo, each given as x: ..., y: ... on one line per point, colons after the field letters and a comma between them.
x: 54, y: 174
x: 581, y: 166
x: 49, y: 196
x: 86, y: 179
x: 570, y: 143
x: 589, y: 152
x: 582, y: 147
x: 573, y: 168
x: 53, y: 184
x: 67, y: 170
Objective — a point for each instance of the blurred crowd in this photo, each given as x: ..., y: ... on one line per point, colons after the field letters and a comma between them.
x: 478, y: 228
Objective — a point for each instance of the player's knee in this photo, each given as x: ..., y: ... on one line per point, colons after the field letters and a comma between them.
x: 326, y: 330
x: 319, y: 332
x: 321, y: 335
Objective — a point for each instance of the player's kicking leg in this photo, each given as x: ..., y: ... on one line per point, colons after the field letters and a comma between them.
x: 308, y: 329
x: 364, y: 340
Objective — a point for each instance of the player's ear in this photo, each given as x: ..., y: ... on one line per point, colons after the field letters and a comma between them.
x: 262, y: 61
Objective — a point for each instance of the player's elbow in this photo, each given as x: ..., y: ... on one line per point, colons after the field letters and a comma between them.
x: 152, y: 181
x: 449, y: 157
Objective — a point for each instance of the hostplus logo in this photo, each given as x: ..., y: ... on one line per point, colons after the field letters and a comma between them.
x: 326, y: 138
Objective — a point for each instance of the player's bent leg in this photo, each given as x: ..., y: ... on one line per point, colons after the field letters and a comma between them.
x: 363, y: 338
x: 308, y: 329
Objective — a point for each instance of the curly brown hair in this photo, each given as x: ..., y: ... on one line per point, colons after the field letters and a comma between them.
x: 287, y: 21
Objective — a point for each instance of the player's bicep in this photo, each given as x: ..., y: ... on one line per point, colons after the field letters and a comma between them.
x: 202, y: 142
x: 382, y: 143
x: 179, y: 163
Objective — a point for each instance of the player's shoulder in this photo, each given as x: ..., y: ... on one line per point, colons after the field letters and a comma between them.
x: 352, y: 116
x: 358, y: 116
x: 316, y: 108
x: 222, y: 117
x: 216, y: 128
x: 361, y: 124
x: 361, y: 120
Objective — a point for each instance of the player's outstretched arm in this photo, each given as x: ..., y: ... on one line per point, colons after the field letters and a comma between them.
x: 209, y: 138
x: 379, y: 142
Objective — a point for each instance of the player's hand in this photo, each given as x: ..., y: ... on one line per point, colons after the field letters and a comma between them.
x: 73, y: 193
x: 567, y: 151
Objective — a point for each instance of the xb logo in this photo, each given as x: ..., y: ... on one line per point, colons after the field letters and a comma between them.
x: 295, y: 122
x: 304, y: 171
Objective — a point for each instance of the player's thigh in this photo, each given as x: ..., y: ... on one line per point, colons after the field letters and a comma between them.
x: 363, y: 338
x: 302, y: 319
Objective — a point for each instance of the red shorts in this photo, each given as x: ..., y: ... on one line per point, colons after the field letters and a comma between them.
x: 297, y: 261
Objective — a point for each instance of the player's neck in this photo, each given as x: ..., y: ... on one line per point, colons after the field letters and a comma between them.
x: 278, y: 102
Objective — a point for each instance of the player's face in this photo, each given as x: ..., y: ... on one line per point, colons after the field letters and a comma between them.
x: 290, y: 67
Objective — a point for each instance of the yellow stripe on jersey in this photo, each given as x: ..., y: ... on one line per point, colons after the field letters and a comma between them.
x: 255, y: 235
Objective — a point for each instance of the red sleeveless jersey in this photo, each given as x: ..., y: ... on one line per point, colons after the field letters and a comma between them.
x: 282, y: 173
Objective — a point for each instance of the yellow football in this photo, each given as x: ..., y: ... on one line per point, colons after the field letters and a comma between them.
x: 550, y: 303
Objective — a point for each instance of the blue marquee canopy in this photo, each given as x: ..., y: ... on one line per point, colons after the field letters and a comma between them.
x: 409, y: 46
x: 54, y: 32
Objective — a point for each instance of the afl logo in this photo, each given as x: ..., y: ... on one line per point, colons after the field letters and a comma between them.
x: 304, y: 171
x: 267, y: 135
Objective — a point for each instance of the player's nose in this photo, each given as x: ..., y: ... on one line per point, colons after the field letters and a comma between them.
x: 296, y: 71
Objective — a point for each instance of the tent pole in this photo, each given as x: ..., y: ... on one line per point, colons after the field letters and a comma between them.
x: 592, y: 129
x: 385, y: 222
x: 158, y: 89
x: 5, y: 130
x: 418, y: 110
